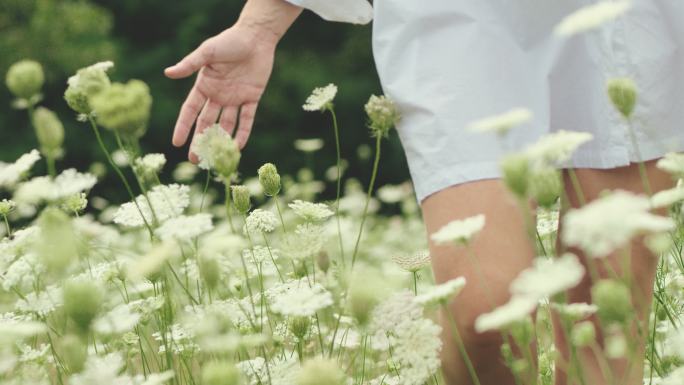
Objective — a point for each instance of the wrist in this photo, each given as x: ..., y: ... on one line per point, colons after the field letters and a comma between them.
x: 267, y: 20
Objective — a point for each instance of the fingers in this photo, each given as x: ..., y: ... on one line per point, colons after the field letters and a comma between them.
x: 189, y: 64
x: 247, y: 112
x: 191, y: 107
x: 228, y: 118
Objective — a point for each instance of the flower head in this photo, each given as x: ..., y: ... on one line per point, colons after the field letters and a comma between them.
x: 217, y: 151
x: 442, y: 293
x: 412, y: 262
x: 672, y: 163
x: 166, y: 201
x: 321, y: 98
x: 184, y: 228
x: 269, y: 179
x: 515, y: 310
x: 556, y: 148
x: 312, y: 212
x: 623, y: 94
x: 124, y: 108
x: 459, y: 231
x: 87, y: 82
x: 11, y: 173
x: 25, y: 78
x: 548, y: 277
x: 50, y: 132
x: 501, y: 124
x: 298, y: 299
x: 260, y: 221
x: 382, y: 115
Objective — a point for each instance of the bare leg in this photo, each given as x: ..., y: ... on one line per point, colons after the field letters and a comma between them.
x: 497, y: 254
x: 643, y: 266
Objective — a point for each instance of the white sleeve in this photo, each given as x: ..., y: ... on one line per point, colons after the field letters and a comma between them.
x: 348, y: 11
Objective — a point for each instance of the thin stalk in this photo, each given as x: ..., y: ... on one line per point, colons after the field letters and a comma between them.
x: 461, y: 346
x: 204, y: 190
x: 415, y: 283
x: 229, y: 210
x: 119, y: 173
x: 7, y: 226
x: 268, y: 247
x: 339, y: 182
x: 642, y: 167
x: 376, y: 162
x: 576, y: 186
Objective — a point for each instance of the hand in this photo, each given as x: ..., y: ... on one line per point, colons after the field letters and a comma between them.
x: 234, y: 68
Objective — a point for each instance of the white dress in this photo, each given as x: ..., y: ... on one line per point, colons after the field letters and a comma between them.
x: 449, y: 62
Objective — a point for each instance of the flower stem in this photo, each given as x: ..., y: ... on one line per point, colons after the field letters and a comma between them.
x: 461, y: 346
x: 339, y: 182
x: 7, y: 226
x: 376, y: 162
x: 280, y: 214
x: 642, y: 167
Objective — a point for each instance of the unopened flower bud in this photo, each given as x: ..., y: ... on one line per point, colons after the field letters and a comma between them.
x: 583, y: 334
x: 7, y: 206
x: 623, y: 94
x: 87, y: 82
x: 82, y: 301
x: 241, y: 198
x: 320, y: 371
x: 73, y: 353
x: 124, y: 108
x: 57, y: 246
x: 545, y: 186
x: 25, y: 78
x: 75, y: 203
x: 382, y: 113
x: 209, y: 270
x: 516, y: 174
x: 299, y: 326
x: 221, y: 373
x: 613, y: 299
x: 50, y: 132
x: 269, y: 179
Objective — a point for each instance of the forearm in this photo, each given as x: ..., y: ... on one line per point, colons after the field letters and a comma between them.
x: 268, y: 19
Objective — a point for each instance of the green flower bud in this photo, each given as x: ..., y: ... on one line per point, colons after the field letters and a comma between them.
x: 7, y: 206
x: 50, y: 132
x: 615, y: 346
x: 516, y: 174
x: 82, y: 302
x: 545, y: 186
x: 73, y: 353
x: 299, y: 326
x: 382, y: 114
x: 75, y: 203
x: 623, y: 94
x: 25, y: 78
x: 209, y: 270
x: 98, y: 169
x: 124, y: 108
x: 519, y: 367
x: 221, y: 373
x: 57, y: 246
x: 241, y: 198
x: 87, y: 82
x: 320, y: 371
x: 269, y: 179
x: 522, y: 331
x: 613, y: 299
x: 583, y: 334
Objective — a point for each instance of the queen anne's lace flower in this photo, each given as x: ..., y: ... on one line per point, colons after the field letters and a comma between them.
x: 672, y: 163
x: 610, y: 222
x: 592, y: 16
x: 442, y: 293
x: 260, y: 221
x: 151, y: 163
x: 459, y: 231
x: 11, y: 173
x: 306, y: 242
x: 185, y: 228
x: 501, y: 124
x: 517, y: 309
x: 167, y: 200
x: 548, y: 277
x: 299, y: 299
x: 575, y: 311
x: 321, y: 98
x: 308, y: 145
x: 312, y: 212
x: 67, y: 184
x: 666, y: 198
x: 416, y: 349
x: 412, y: 262
x: 216, y: 151
x: 557, y: 147
x: 119, y: 320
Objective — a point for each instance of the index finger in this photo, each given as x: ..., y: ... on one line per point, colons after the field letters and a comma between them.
x: 189, y: 111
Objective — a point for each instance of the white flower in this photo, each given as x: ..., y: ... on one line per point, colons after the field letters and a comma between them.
x: 100, y: 370
x: 260, y: 221
x: 610, y: 222
x: 557, y: 147
x: 298, y: 299
x: 592, y: 16
x: 308, y: 145
x: 321, y: 98
x: 216, y: 150
x: 676, y: 377
x: 501, y: 124
x: 442, y: 293
x: 117, y: 321
x: 666, y: 198
x: 575, y: 311
x: 393, y: 312
x: 151, y: 163
x: 393, y: 193
x: 517, y: 309
x: 672, y: 163
x: 11, y: 173
x: 548, y: 277
x: 14, y: 328
x: 306, y: 242
x: 547, y: 221
x: 416, y: 349
x: 67, y: 184
x: 42, y: 303
x: 167, y: 200
x: 180, y: 339
x: 184, y: 228
x: 311, y: 211
x: 412, y: 262
x: 459, y: 231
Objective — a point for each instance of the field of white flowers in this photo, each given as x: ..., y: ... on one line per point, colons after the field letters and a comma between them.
x: 216, y: 277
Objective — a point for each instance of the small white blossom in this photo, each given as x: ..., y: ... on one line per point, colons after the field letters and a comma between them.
x: 575, y: 311
x: 151, y: 163
x: 672, y: 163
x: 312, y: 212
x: 412, y: 262
x: 442, y: 293
x: 592, y: 16
x: 557, y: 147
x: 299, y: 299
x: 119, y: 320
x: 167, y: 201
x: 184, y: 228
x: 548, y: 277
x: 260, y: 221
x: 666, y: 198
x: 308, y: 145
x: 517, y: 309
x: 459, y: 231
x: 11, y: 173
x: 501, y: 124
x: 321, y: 98
x: 216, y: 150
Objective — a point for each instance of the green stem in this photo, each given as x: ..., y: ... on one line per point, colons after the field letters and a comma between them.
x: 7, y: 226
x: 461, y: 346
x: 280, y: 214
x: 642, y: 167
x: 577, y: 187
x: 415, y: 283
x: 376, y: 162
x: 339, y: 182
x: 229, y: 210
x: 119, y: 173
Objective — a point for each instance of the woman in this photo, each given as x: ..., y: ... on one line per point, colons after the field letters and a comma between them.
x: 449, y: 62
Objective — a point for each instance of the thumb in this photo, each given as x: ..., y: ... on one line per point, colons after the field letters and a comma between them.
x: 189, y: 65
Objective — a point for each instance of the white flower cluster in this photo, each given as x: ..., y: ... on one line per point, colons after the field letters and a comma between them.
x: 11, y: 173
x: 299, y: 299
x: 184, y: 227
x: 312, y: 212
x: 459, y: 232
x: 165, y: 202
x: 321, y: 98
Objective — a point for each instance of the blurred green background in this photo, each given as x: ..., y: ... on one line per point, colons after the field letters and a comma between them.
x: 143, y: 37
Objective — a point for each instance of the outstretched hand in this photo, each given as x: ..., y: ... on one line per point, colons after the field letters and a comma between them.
x: 234, y: 67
